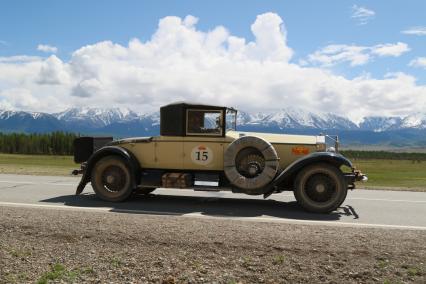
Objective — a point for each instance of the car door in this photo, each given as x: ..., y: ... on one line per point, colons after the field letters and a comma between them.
x: 203, y: 144
x: 169, y: 152
x: 203, y: 153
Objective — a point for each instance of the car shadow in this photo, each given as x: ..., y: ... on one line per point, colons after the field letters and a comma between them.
x: 160, y: 204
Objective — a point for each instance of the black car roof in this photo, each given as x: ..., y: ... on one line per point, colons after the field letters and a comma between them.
x: 186, y: 105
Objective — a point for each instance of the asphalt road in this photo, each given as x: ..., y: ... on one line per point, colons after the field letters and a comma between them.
x: 366, y: 208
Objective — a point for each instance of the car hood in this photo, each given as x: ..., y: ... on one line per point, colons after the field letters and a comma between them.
x: 279, y: 138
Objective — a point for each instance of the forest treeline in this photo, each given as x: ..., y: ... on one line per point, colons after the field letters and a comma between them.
x: 54, y: 143
x: 61, y: 143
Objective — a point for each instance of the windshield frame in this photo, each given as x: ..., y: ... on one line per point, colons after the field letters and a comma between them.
x: 233, y: 125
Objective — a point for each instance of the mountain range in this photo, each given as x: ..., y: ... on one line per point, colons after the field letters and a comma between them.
x: 122, y: 122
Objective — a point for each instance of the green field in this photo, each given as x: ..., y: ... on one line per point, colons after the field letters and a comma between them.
x: 397, y: 174
x: 394, y: 173
x: 36, y: 164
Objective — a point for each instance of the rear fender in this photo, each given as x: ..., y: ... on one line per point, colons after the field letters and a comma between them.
x: 289, y: 173
x: 131, y: 161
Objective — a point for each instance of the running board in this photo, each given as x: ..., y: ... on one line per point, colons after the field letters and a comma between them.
x: 209, y: 188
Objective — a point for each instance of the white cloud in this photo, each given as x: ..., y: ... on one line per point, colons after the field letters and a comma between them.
x: 47, y: 48
x: 418, y: 62
x: 353, y: 54
x: 362, y: 14
x: 181, y: 62
x: 53, y: 72
x: 19, y: 59
x: 271, y: 39
x: 337, y: 53
x: 18, y: 98
x: 420, y: 31
x: 394, y: 50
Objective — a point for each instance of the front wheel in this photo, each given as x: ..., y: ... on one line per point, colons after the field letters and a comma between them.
x: 320, y: 188
x: 111, y: 179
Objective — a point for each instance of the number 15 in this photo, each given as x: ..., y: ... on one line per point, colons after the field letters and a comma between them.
x: 202, y: 156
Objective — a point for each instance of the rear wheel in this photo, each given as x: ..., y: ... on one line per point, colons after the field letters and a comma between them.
x: 320, y: 188
x: 111, y: 179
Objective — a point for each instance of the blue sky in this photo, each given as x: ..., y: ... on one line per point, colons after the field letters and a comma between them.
x: 311, y: 26
x: 69, y: 25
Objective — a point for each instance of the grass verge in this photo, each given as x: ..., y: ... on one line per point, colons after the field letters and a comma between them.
x: 36, y: 164
x: 393, y: 174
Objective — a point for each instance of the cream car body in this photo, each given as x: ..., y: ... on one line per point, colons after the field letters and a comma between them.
x: 200, y: 148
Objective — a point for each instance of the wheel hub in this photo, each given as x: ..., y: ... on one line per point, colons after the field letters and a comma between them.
x: 110, y: 179
x: 251, y: 164
x: 253, y: 169
x: 113, y: 179
x: 320, y: 188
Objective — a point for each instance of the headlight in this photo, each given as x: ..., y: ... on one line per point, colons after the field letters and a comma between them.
x: 331, y: 149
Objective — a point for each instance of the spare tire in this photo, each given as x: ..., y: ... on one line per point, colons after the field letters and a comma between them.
x: 250, y: 163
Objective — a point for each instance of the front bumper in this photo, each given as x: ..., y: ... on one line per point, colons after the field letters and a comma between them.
x: 353, y: 177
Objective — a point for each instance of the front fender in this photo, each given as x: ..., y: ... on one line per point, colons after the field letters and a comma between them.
x: 131, y: 161
x: 289, y: 173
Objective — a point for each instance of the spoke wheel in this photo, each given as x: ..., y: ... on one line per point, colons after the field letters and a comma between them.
x: 320, y: 188
x: 111, y: 179
x: 250, y: 162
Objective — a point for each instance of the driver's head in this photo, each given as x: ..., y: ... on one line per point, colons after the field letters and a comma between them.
x: 196, y: 118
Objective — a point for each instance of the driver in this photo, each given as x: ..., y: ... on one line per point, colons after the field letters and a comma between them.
x: 195, y: 121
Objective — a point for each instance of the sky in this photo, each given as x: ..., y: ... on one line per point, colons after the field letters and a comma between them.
x: 352, y: 58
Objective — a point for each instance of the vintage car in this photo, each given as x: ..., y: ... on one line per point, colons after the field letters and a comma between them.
x: 199, y: 148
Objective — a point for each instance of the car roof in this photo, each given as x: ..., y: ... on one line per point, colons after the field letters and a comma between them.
x: 186, y: 105
x: 173, y: 116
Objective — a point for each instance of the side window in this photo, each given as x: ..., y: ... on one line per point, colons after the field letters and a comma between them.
x: 203, y: 122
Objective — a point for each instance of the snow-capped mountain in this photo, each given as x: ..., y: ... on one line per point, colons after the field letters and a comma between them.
x: 416, y: 120
x: 95, y: 117
x: 122, y: 122
x: 297, y: 118
x: 21, y: 121
x: 380, y: 123
x: 287, y: 118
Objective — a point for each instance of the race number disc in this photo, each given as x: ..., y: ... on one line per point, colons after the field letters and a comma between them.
x: 202, y: 155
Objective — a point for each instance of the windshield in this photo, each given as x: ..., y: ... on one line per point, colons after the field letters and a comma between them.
x: 231, y: 119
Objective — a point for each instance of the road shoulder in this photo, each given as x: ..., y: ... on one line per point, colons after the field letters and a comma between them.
x: 94, y: 246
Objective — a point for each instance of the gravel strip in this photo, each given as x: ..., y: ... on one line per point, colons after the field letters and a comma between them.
x: 66, y: 246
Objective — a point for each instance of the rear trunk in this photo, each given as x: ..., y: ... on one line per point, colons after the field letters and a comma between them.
x: 84, y: 147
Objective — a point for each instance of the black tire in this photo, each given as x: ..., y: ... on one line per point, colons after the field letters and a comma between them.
x: 344, y: 195
x: 320, y: 188
x: 111, y: 179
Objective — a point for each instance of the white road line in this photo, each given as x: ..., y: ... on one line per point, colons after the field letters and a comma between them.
x: 200, y: 215
x: 17, y: 182
x: 38, y: 183
x: 388, y: 200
